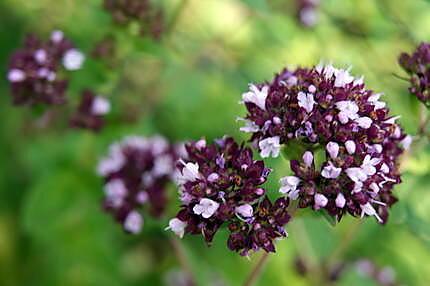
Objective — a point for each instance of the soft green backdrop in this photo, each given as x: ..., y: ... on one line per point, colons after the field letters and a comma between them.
x: 52, y: 230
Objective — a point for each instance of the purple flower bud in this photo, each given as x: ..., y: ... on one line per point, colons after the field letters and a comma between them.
x: 308, y: 158
x: 340, y: 200
x: 320, y: 201
x: 350, y: 146
x: 333, y: 149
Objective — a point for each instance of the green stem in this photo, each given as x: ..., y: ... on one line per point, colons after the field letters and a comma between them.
x: 400, y: 77
x: 256, y: 271
x: 308, y: 254
x: 176, y: 16
x: 424, y: 122
x: 345, y: 242
x: 179, y: 252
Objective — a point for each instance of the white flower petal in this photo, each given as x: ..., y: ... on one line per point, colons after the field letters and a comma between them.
x: 270, y: 146
x: 364, y: 122
x: 340, y: 200
x: 256, y: 96
x: 206, y: 208
x: 73, y: 60
x: 16, y: 75
x: 289, y: 184
x: 245, y: 210
x: 320, y: 201
x: 350, y: 146
x: 330, y: 171
x: 100, y: 106
x: 250, y: 126
x: 308, y: 158
x: 177, y: 226
x: 133, y: 222
x: 332, y: 149
x: 306, y: 101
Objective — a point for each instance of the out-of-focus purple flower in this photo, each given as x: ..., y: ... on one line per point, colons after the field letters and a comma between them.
x: 104, y: 49
x: 136, y: 172
x: 91, y: 111
x: 35, y: 71
x: 307, y: 12
x: 385, y: 276
x: 340, y: 123
x: 417, y: 65
x: 149, y: 17
x: 220, y: 184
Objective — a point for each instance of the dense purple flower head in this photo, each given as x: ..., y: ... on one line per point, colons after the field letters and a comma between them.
x: 149, y: 18
x: 35, y: 71
x: 307, y: 12
x: 91, y: 111
x: 136, y: 172
x: 417, y: 65
x: 220, y: 184
x: 349, y: 143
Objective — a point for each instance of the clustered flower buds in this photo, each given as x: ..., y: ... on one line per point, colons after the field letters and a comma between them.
x: 417, y: 65
x: 35, y: 71
x: 307, y: 12
x: 91, y: 111
x: 136, y: 172
x: 220, y: 184
x: 149, y: 18
x: 350, y: 144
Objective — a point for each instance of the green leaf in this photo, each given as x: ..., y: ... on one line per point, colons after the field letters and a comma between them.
x: 328, y: 218
x: 418, y: 226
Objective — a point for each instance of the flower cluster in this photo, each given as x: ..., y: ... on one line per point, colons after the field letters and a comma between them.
x: 307, y: 12
x: 136, y: 173
x: 417, y: 66
x: 35, y: 70
x: 350, y: 144
x: 149, y: 18
x: 91, y: 111
x: 221, y: 183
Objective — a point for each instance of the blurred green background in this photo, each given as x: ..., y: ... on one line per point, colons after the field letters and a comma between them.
x: 52, y: 229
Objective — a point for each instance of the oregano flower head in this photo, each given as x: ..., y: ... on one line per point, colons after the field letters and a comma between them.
x: 36, y: 71
x: 343, y: 144
x: 220, y: 184
x: 417, y: 65
x: 136, y: 172
x: 148, y: 17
